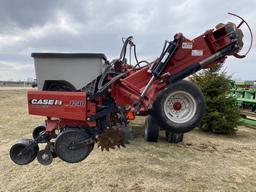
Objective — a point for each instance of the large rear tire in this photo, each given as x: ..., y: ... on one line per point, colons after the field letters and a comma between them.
x: 180, y: 107
x: 58, y: 86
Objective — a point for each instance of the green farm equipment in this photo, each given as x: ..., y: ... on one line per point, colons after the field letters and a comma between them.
x: 245, y: 94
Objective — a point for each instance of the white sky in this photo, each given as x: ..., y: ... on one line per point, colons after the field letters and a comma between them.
x: 97, y: 26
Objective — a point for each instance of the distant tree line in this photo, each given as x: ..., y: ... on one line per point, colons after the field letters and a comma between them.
x: 16, y: 83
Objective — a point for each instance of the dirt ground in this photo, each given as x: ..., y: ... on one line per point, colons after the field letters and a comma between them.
x: 202, y: 162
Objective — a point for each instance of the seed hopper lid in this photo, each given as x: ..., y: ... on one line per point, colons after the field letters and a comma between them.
x: 69, y: 55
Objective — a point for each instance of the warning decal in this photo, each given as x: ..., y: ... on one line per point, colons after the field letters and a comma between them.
x: 197, y: 53
x: 187, y: 45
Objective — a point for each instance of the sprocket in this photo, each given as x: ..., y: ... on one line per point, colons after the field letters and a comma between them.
x: 110, y: 138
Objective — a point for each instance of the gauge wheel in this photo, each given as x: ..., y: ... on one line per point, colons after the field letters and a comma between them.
x: 68, y: 145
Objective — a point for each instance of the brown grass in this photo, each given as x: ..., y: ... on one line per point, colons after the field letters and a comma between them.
x: 202, y: 162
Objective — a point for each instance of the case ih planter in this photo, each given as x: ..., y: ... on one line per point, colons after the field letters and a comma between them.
x: 78, y: 116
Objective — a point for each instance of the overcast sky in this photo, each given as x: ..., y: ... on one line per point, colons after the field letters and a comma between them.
x: 97, y: 26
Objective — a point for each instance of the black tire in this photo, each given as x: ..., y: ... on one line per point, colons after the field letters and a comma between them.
x: 59, y: 86
x: 24, y: 151
x: 45, y: 157
x: 69, y: 137
x: 151, y: 129
x: 36, y: 132
x: 195, y: 112
x: 174, y: 137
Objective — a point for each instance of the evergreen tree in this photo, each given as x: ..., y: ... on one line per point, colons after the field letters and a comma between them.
x: 222, y: 115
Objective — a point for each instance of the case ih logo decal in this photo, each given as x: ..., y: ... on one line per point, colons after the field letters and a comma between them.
x: 46, y: 102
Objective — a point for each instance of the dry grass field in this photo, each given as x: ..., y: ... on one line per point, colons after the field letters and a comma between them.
x: 202, y: 162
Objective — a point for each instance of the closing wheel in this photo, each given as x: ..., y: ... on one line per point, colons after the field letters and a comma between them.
x: 37, y: 131
x: 180, y: 107
x: 24, y: 151
x: 69, y: 145
x: 151, y: 129
x: 45, y: 157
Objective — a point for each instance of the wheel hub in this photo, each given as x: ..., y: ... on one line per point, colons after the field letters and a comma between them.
x: 177, y: 106
x: 45, y: 156
x: 180, y: 107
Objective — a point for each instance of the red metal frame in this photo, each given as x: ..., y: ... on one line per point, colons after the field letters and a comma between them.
x: 73, y: 108
x: 52, y: 124
x: 129, y: 89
